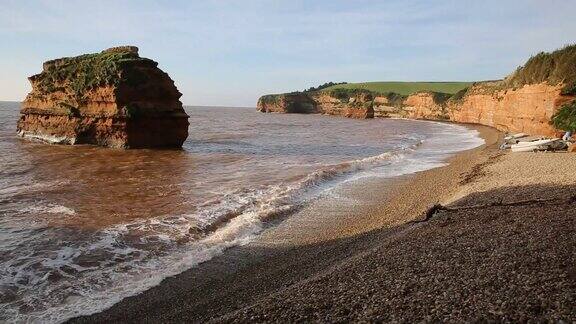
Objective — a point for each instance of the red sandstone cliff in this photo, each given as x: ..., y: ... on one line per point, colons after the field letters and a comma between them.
x: 525, y: 101
x: 420, y: 105
x: 527, y: 109
x: 297, y: 103
x: 358, y: 104
x: 114, y: 98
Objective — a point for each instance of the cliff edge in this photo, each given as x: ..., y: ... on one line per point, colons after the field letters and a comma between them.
x: 114, y: 98
x: 525, y: 101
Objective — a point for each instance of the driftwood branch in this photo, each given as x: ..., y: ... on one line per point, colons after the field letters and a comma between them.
x: 430, y: 212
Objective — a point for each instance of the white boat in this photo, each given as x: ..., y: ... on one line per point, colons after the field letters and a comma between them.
x: 515, y: 136
x: 539, y: 145
x: 531, y: 139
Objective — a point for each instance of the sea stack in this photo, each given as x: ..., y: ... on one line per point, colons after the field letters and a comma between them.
x: 114, y: 98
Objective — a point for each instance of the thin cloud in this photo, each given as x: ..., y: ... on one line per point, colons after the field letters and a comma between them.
x: 242, y: 49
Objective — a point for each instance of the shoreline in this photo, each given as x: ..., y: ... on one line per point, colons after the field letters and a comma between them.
x: 406, y: 197
x: 386, y: 209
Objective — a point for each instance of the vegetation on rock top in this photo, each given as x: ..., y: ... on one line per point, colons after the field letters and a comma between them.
x: 395, y: 99
x: 405, y: 88
x: 345, y: 94
x: 324, y: 86
x: 458, y: 96
x: 555, y: 67
x: 441, y: 98
x: 78, y: 75
x: 269, y: 99
x: 275, y: 98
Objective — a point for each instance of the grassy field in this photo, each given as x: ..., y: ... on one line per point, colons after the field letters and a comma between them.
x: 405, y: 88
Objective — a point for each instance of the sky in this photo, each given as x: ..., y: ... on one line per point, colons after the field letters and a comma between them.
x: 228, y: 53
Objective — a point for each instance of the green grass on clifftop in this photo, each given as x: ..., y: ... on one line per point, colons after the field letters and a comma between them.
x: 405, y: 88
x: 85, y: 72
x: 555, y: 67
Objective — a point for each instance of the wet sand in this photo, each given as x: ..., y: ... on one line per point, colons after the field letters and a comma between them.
x: 503, y: 250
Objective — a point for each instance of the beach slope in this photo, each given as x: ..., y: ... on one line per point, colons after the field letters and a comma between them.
x: 500, y: 249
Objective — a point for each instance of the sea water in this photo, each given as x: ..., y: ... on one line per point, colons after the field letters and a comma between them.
x: 83, y: 227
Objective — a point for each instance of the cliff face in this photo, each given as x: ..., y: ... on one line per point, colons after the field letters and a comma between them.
x: 292, y: 103
x: 420, y: 105
x: 353, y: 105
x: 356, y: 105
x: 114, y: 98
x: 525, y: 101
x: 426, y: 105
x: 527, y: 109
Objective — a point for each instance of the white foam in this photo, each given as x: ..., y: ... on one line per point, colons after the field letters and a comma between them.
x: 51, y: 209
x: 52, y: 139
x: 26, y: 188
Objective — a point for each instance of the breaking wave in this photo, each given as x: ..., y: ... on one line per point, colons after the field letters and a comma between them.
x: 126, y: 259
x: 67, y: 278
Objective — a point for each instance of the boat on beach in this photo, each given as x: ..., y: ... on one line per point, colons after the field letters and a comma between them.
x: 538, y: 145
x: 512, y: 137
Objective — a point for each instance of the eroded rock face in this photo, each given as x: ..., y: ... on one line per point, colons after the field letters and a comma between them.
x: 357, y: 105
x: 420, y: 105
x: 538, y: 94
x: 292, y: 103
x: 528, y: 109
x: 426, y: 105
x: 354, y: 105
x: 114, y: 98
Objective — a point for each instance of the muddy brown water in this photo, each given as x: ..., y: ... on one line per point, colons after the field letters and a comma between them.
x: 82, y: 227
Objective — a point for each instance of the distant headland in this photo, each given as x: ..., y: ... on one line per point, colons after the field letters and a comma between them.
x: 533, y: 99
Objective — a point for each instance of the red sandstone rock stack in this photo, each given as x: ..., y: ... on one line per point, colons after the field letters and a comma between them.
x: 114, y: 98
